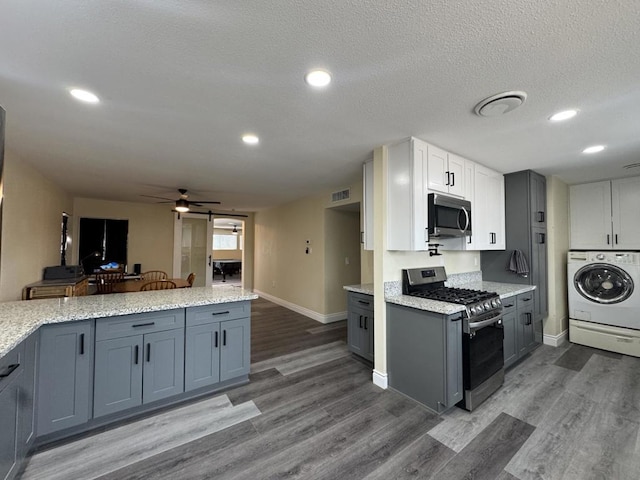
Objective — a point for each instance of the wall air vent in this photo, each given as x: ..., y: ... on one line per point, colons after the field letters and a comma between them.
x: 341, y: 196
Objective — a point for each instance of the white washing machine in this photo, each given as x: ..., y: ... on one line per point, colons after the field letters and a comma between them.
x: 604, y: 300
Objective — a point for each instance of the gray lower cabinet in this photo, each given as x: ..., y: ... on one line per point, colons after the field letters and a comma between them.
x: 360, y: 325
x: 217, y: 344
x: 424, y: 356
x: 28, y: 389
x: 139, y: 359
x: 519, y: 326
x: 11, y: 373
x: 65, y: 376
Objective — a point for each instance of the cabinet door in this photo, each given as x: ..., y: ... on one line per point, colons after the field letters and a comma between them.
x: 9, y: 391
x: 27, y: 414
x: 526, y: 331
x: 202, y: 356
x: 235, y: 356
x: 510, y: 338
x: 65, y: 376
x: 590, y: 216
x: 453, y: 387
x: 625, y: 198
x: 538, y: 191
x: 538, y: 270
x: 163, y: 370
x: 457, y: 177
x: 487, y: 213
x: 367, y: 205
x: 438, y: 177
x: 355, y: 331
x: 118, y: 375
x: 368, y: 333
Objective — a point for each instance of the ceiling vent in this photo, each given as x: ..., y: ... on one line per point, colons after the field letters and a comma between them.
x: 500, y: 104
x: 632, y: 165
x: 341, y: 196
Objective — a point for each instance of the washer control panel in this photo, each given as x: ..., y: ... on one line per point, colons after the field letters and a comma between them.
x: 619, y: 258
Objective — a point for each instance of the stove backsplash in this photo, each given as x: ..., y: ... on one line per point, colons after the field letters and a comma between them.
x: 460, y: 279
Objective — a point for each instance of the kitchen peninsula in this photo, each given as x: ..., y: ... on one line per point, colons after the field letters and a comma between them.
x: 68, y: 365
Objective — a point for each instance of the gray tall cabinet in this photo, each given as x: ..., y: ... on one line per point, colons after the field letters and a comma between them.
x: 526, y: 230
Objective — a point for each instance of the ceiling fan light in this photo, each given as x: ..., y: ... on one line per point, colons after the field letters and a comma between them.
x: 235, y: 230
x: 182, y: 205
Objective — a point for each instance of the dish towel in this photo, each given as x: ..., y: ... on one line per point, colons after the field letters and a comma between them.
x: 518, y: 264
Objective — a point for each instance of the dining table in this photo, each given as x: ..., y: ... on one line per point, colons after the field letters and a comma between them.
x: 135, y: 285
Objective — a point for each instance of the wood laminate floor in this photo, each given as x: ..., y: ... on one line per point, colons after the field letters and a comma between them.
x: 311, y: 412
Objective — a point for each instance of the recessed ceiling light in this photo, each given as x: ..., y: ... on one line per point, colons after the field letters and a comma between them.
x: 84, y: 95
x: 250, y: 139
x: 564, y: 115
x: 594, y: 149
x: 318, y: 78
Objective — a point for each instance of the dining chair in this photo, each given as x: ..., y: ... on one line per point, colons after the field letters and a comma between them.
x: 191, y: 278
x: 152, y: 275
x: 106, y: 281
x: 158, y: 285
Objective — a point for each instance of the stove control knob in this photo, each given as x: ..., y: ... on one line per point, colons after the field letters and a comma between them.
x: 600, y: 256
x: 494, y: 303
x: 487, y: 306
x: 473, y: 310
x: 498, y: 301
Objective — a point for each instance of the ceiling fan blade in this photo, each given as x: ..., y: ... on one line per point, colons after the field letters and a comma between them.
x: 195, y: 202
x: 160, y: 198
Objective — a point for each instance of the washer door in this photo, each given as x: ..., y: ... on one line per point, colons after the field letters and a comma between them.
x: 603, y: 283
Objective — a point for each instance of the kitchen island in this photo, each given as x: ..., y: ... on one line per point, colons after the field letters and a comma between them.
x: 70, y: 365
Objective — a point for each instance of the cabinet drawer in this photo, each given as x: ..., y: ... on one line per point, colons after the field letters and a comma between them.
x: 216, y: 313
x: 11, y: 365
x: 360, y: 300
x: 509, y: 304
x: 525, y: 300
x: 140, y: 323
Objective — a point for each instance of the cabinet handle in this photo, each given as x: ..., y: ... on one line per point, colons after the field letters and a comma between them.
x: 360, y: 321
x: 541, y: 238
x: 363, y: 302
x: 224, y: 338
x: 492, y: 238
x: 148, y: 352
x: 209, y: 260
x: 447, y: 184
x: 607, y: 239
x: 136, y: 354
x: 216, y: 341
x: 540, y: 217
x: 528, y: 322
x: 361, y: 237
x: 148, y: 324
x: 9, y: 370
x: 82, y: 344
x: 365, y: 323
x: 616, y: 238
x: 526, y: 299
x: 508, y: 306
x: 453, y: 179
x: 220, y: 313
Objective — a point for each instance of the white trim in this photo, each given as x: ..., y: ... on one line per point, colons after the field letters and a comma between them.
x: 556, y: 340
x: 380, y: 379
x: 318, y: 317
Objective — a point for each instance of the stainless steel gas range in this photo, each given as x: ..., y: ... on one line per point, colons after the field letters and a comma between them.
x: 482, y: 330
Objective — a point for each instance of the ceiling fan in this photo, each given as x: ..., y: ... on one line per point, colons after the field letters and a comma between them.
x: 182, y: 203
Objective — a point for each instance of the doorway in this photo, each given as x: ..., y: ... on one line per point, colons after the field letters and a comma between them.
x: 228, y: 251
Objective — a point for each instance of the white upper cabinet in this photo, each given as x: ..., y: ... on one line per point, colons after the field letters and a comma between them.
x: 487, y: 210
x: 407, y: 225
x: 605, y: 215
x: 367, y: 205
x: 445, y: 172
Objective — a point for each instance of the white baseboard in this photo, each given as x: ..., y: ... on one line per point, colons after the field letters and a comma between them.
x: 318, y: 317
x: 556, y: 340
x: 380, y: 379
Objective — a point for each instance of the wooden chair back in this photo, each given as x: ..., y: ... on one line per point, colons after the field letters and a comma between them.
x: 191, y: 278
x: 152, y: 275
x: 105, y: 281
x: 158, y: 285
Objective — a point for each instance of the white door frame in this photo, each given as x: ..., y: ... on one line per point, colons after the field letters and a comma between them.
x: 177, y: 245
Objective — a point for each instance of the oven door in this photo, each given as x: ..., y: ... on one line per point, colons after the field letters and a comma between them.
x: 482, y: 350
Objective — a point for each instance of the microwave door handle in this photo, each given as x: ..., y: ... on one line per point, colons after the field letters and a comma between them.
x: 466, y: 225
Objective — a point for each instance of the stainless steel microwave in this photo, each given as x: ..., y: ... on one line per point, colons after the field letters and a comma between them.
x: 448, y: 216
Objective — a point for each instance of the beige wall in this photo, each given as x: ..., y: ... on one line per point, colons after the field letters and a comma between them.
x: 282, y: 268
x: 31, y: 226
x: 150, y: 241
x: 558, y: 246
x: 342, y: 245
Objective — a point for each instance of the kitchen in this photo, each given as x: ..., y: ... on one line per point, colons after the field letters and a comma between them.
x: 47, y: 187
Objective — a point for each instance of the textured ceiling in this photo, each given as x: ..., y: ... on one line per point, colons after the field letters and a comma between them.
x: 182, y: 80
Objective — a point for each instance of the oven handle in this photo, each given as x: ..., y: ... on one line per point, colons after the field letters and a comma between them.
x: 484, y: 323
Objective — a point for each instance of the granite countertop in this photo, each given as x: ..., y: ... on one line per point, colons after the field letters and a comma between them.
x: 21, y: 318
x: 505, y: 290
x: 364, y: 288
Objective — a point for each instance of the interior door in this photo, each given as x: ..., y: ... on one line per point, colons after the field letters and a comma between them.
x: 192, y: 246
